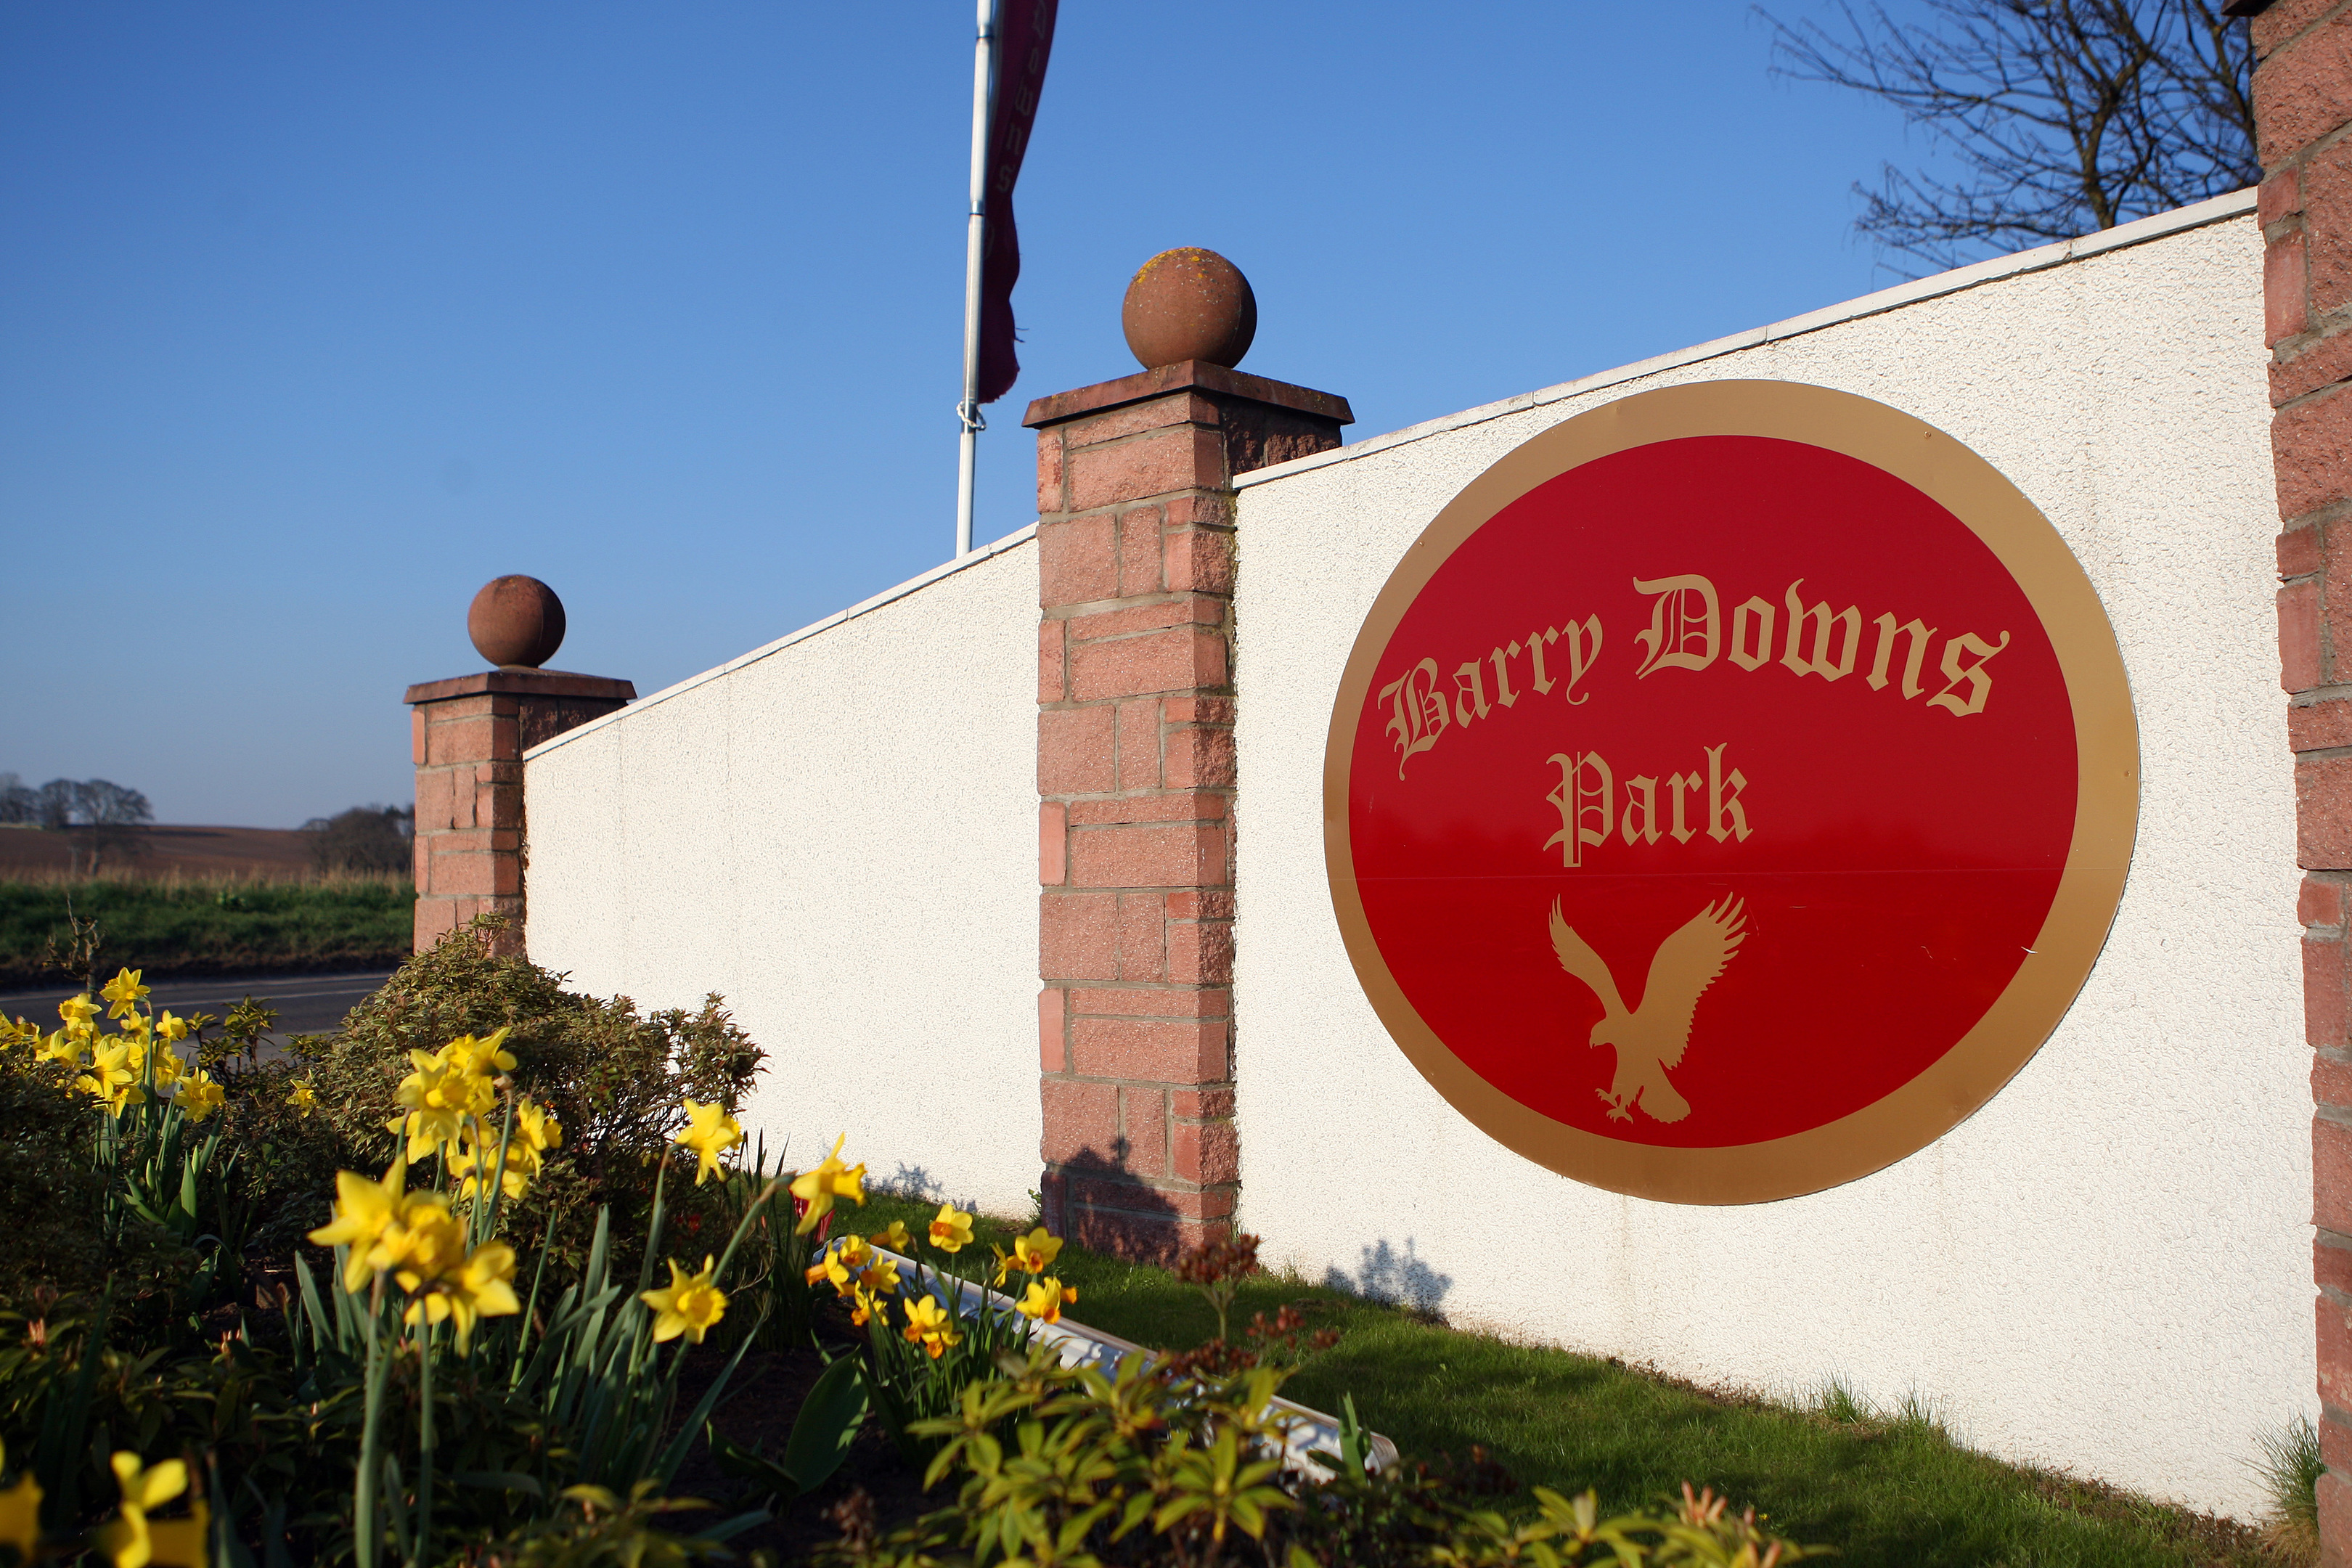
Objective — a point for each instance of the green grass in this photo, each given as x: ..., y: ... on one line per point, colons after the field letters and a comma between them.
x: 1883, y: 1487
x: 166, y: 928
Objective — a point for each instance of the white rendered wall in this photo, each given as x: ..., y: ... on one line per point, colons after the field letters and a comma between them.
x: 839, y: 833
x: 2107, y: 1267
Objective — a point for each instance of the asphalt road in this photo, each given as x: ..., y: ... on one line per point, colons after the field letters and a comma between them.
x: 307, y: 1005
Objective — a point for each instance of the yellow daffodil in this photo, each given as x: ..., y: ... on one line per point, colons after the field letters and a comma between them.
x: 690, y: 1306
x: 439, y: 1095
x: 484, y: 1057
x: 364, y: 1212
x: 1044, y: 1299
x: 881, y: 1276
x: 950, y: 1229
x: 932, y: 1325
x: 123, y: 991
x: 467, y: 1160
x: 864, y: 1304
x: 78, y: 1011
x: 60, y: 1047
x: 482, y: 1288
x: 112, y: 1079
x: 20, y: 1514
x: 428, y: 1246
x: 200, y: 1097
x: 159, y: 1065
x: 709, y: 1131
x: 302, y: 1097
x: 1035, y: 1252
x: 172, y: 1026
x: 532, y: 1132
x: 1032, y: 1254
x: 895, y: 1236
x: 133, y: 1541
x: 830, y: 1180
x: 841, y: 1263
x: 536, y: 1129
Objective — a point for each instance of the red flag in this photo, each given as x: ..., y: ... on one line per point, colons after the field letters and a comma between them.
x: 1024, y: 37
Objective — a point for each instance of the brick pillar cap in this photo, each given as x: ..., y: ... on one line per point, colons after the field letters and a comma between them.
x: 523, y: 683
x: 1191, y: 374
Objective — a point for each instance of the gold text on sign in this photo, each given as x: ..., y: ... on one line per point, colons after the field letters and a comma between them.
x: 1687, y: 632
x: 1587, y: 798
x: 1423, y: 705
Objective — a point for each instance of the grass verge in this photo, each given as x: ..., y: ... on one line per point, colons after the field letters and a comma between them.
x: 196, y: 927
x: 1884, y: 1489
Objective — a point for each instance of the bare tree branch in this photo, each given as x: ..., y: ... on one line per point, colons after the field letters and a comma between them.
x: 2066, y: 116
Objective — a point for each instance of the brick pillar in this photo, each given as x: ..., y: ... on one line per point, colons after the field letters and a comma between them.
x: 1135, y: 776
x: 468, y: 736
x: 2302, y: 110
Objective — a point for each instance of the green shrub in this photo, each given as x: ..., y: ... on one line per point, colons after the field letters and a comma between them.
x: 596, y: 1529
x: 431, y: 1384
x: 50, y: 1243
x: 1057, y: 1465
x: 613, y: 1078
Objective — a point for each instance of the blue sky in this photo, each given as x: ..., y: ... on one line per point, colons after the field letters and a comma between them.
x: 313, y: 318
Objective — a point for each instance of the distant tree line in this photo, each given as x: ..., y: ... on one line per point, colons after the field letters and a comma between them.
x: 107, y: 816
x: 61, y: 803
x: 107, y: 819
x: 363, y: 839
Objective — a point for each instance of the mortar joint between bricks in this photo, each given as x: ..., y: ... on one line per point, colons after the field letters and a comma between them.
x: 2300, y: 159
x: 2323, y: 331
x: 2302, y: 399
x: 2334, y: 1115
x: 1131, y: 602
x: 2324, y: 516
x: 1129, y: 438
x: 2294, y: 345
x: 2315, y: 22
x: 2336, y: 1414
x: 1125, y: 504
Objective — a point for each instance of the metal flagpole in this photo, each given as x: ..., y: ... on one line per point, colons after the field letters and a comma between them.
x: 983, y: 60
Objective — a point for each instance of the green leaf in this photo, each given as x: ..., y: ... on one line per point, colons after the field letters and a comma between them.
x: 828, y: 1424
x: 749, y: 1465
x: 1355, y: 1449
x: 502, y: 1480
x: 728, y: 1529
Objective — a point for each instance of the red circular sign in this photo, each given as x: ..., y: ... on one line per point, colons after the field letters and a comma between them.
x: 1730, y: 791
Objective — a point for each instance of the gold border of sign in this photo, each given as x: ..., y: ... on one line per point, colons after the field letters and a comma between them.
x: 2106, y: 816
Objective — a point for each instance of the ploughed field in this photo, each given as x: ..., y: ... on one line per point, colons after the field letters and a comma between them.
x: 280, y: 854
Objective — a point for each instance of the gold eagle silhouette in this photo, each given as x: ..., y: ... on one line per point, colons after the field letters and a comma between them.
x: 1650, y: 1039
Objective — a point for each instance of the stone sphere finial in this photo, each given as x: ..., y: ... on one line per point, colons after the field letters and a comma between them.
x: 1188, y: 304
x: 516, y: 621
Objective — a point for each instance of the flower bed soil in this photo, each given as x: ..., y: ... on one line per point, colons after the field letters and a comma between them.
x: 757, y: 1412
